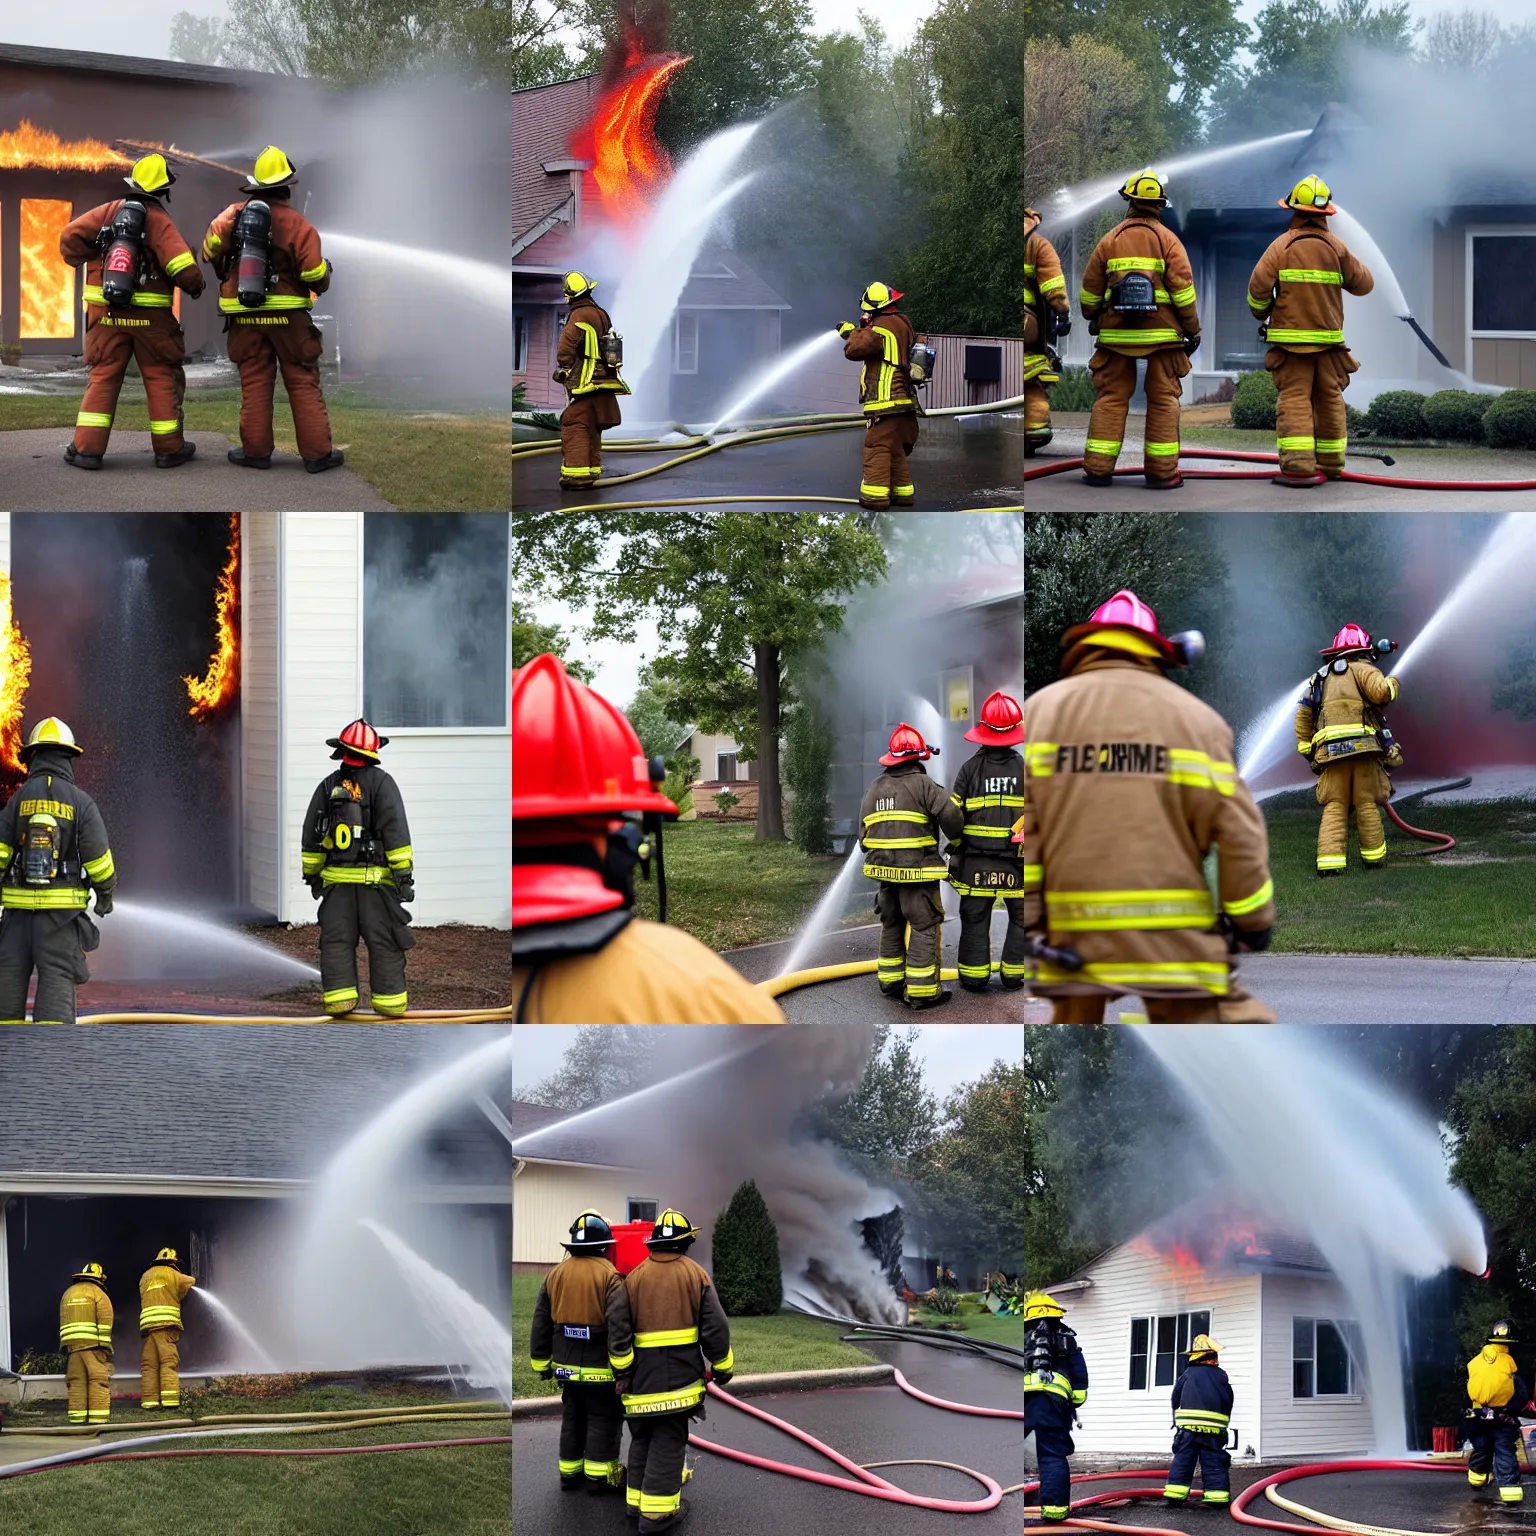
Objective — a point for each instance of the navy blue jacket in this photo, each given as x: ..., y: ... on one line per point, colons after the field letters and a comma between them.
x: 1202, y: 1399
x: 1051, y: 1397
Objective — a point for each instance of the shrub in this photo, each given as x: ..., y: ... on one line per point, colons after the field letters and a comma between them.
x: 1254, y: 402
x: 1397, y: 413
x: 944, y: 1301
x: 1354, y: 421
x: 746, y: 1255
x: 726, y: 800
x: 42, y: 1362
x: 1510, y: 422
x: 1456, y: 413
x: 808, y: 774
x: 1074, y: 393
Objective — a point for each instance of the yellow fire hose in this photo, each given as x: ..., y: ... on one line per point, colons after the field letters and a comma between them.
x: 1334, y: 1522
x: 732, y: 501
x: 791, y: 981
x: 417, y: 1016
x: 303, y: 1423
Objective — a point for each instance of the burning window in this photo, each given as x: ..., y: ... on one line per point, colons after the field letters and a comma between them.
x: 435, y: 619
x: 1159, y: 1345
x: 1323, y: 1356
x: 47, y: 285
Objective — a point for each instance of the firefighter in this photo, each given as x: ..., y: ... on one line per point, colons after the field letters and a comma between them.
x: 356, y: 858
x: 54, y: 853
x: 902, y: 814
x: 146, y: 258
x: 588, y: 360
x: 1341, y: 733
x: 1498, y: 1395
x: 1055, y: 1387
x: 1202, y: 1411
x: 569, y: 1342
x: 1297, y: 293
x: 679, y: 1330
x: 882, y: 342
x: 1138, y: 298
x: 85, y: 1336
x: 161, y: 1288
x: 1047, y: 314
x: 984, y: 865
x: 1129, y: 784
x: 586, y: 813
x: 270, y: 266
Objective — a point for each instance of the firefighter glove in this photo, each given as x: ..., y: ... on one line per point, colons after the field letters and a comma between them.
x: 1191, y: 345
x: 721, y: 1378
x: 1063, y: 322
x: 1255, y: 939
x: 546, y: 1375
x: 622, y: 1384
x: 560, y: 375
x: 316, y: 886
x: 405, y: 887
x: 846, y: 329
x: 103, y: 903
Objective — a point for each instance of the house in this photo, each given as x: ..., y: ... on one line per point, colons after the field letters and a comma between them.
x: 218, y: 1132
x: 1268, y: 1298
x: 721, y: 768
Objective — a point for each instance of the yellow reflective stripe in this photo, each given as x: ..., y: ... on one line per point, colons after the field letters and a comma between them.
x: 598, y: 1373
x: 987, y: 802
x: 356, y: 874
x: 45, y: 898
x: 1251, y: 903
x: 140, y: 300
x: 666, y: 1338
x: 901, y: 403
x: 654, y: 1505
x: 272, y: 301
x: 1372, y: 855
x: 1201, y: 771
x: 1340, y: 733
x: 1196, y: 1418
x: 179, y: 263
x: 93, y: 419
x: 1030, y: 269
x: 622, y: 1362
x: 398, y: 858
x: 312, y: 863
x: 102, y: 869
x: 1307, y: 338
x: 1140, y: 338
x: 389, y: 1002
x: 1295, y: 444
x: 539, y: 1364
x: 1161, y: 450
x: 919, y: 817
x: 726, y: 1363
x: 665, y: 1402
x: 1034, y: 875
x: 1052, y: 284
x: 78, y: 1331
x: 904, y: 874
x: 1258, y: 306
x: 1088, y: 296
x: 163, y: 428
x: 1331, y: 861
x: 314, y: 274
x: 7, y: 853
x: 1047, y: 1383
x: 976, y: 831
x: 1332, y: 444
x: 871, y: 843
x: 1040, y: 756
x: 1029, y: 297
x: 890, y: 356
x: 339, y: 995
x: 1183, y: 297
x: 1208, y: 976
x: 1105, y: 446
x: 160, y: 1317
x: 1136, y: 264
x: 1103, y: 911
x: 1310, y: 275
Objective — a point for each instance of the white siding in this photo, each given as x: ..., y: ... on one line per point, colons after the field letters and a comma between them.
x: 260, y: 727
x: 1130, y: 1283
x: 1305, y: 1426
x: 547, y: 1197
x: 5, y: 542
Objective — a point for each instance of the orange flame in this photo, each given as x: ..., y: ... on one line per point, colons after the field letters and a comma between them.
x: 628, y: 163
x: 28, y: 148
x: 47, y: 286
x: 1215, y: 1242
x: 221, y: 682
x: 15, y: 674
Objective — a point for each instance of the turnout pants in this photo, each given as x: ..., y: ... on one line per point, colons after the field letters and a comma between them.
x: 911, y: 934
x: 1237, y: 1007
x: 581, y: 435
x: 159, y: 1381
x: 1360, y: 782
x: 262, y: 346
x: 1053, y: 1445
x: 88, y: 1376
x: 1494, y: 1443
x: 1037, y: 401
x: 370, y: 913
x: 591, y: 1424
x: 50, y: 944
x: 1114, y: 382
x: 888, y: 439
x: 976, y: 942
x: 154, y: 340
x: 658, y: 1449
x: 1310, y: 428
x: 1215, y: 1468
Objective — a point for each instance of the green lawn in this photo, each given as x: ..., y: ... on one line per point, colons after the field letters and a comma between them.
x: 787, y: 1342
x: 730, y: 891
x: 417, y: 1493
x: 419, y: 460
x: 981, y: 1325
x: 1480, y: 899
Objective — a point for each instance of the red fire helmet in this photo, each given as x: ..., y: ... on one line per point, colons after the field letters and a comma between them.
x: 573, y: 753
x: 1001, y: 723
x: 557, y: 893
x: 358, y: 744
x: 1350, y: 638
x: 907, y: 745
x: 1124, y: 611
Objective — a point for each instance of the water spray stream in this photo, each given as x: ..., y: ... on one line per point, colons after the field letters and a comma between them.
x: 780, y: 370
x: 141, y: 942
x: 232, y: 1322
x: 825, y: 912
x: 1264, y: 741
x: 486, y: 283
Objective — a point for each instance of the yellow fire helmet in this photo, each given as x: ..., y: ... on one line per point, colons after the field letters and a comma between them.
x: 91, y: 1272
x: 1310, y: 195
x: 1204, y: 1344
x: 1502, y: 1332
x: 166, y: 1256
x: 272, y: 169
x: 878, y: 296
x: 51, y: 732
x: 1145, y: 187
x: 151, y: 175
x: 578, y: 285
x: 671, y: 1227
x: 1038, y: 1304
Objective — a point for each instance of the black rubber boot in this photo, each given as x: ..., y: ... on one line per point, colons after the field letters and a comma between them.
x: 72, y: 455
x: 1297, y: 482
x: 1329, y: 874
x: 1164, y: 485
x: 249, y: 461
x: 333, y: 460
x: 171, y: 460
x: 570, y: 1482
x: 936, y: 1001
x: 974, y: 986
x: 1012, y: 983
x: 1098, y: 480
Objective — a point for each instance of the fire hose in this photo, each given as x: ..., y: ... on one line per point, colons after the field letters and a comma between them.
x: 732, y: 501
x: 1443, y: 841
x: 777, y: 986
x: 1267, y: 1485
x: 411, y: 1016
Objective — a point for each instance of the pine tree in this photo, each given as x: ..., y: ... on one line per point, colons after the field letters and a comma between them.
x: 746, y: 1255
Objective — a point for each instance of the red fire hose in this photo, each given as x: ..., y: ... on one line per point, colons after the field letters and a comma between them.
x: 1063, y: 466
x: 1443, y: 841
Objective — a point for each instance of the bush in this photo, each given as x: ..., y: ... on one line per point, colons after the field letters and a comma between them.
x: 1354, y: 421
x: 42, y: 1362
x: 1456, y: 413
x: 1397, y: 413
x: 944, y: 1301
x: 808, y: 775
x: 746, y: 1255
x: 726, y: 800
x: 1074, y: 393
x: 1255, y: 401
x: 1510, y: 422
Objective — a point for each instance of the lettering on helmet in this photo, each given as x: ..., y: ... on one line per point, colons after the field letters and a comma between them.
x: 1113, y: 757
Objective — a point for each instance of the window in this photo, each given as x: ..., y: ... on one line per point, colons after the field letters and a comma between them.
x: 641, y: 1210
x: 725, y: 767
x: 1502, y: 300
x: 1159, y: 1345
x: 685, y: 358
x: 1323, y: 1355
x: 519, y: 343
x: 435, y: 619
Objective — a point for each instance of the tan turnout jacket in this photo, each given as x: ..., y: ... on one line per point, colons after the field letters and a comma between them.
x: 679, y: 1326
x: 899, y: 824
x: 1341, y: 728
x: 1141, y: 243
x: 1299, y: 285
x: 884, y: 346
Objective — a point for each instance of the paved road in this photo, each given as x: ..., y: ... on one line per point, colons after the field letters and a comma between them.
x: 35, y: 478
x: 958, y: 463
x: 865, y: 1423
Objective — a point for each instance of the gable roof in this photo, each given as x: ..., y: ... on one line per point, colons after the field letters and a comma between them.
x: 158, y: 69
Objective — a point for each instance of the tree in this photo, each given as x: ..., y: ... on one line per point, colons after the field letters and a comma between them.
x: 604, y: 1062
x: 197, y: 39
x: 1463, y: 40
x: 736, y: 596
x: 745, y: 1250
x: 892, y: 1117
x: 531, y: 638
x: 659, y: 734
x: 808, y: 773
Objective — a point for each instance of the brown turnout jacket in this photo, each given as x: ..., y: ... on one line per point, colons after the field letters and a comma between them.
x: 884, y: 346
x: 1299, y: 285
x: 1346, y: 724
x: 678, y: 1326
x: 169, y: 262
x: 581, y: 1299
x: 580, y: 357
x: 298, y: 269
x: 1129, y: 784
x: 1141, y: 243
x: 900, y: 820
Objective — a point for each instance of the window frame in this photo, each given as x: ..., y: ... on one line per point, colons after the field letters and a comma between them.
x: 1153, y: 1322
x: 522, y: 340
x: 1475, y: 232
x: 692, y: 317
x: 631, y: 1201
x: 1348, y: 1332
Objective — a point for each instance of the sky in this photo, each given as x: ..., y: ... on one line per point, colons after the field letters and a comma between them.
x: 617, y: 664
x: 89, y: 25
